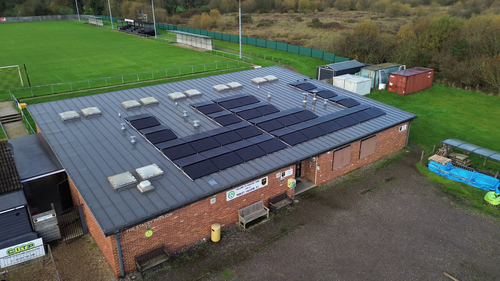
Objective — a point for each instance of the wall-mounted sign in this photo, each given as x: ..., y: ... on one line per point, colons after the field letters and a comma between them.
x: 247, y: 188
x: 287, y: 173
x: 21, y: 252
x: 149, y: 233
x: 402, y: 128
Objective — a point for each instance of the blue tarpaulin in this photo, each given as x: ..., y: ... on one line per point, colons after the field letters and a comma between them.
x: 474, y: 178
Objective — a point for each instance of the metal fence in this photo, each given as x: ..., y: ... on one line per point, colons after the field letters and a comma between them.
x: 280, y: 46
x: 43, y: 18
x: 229, y: 55
x: 26, y: 121
x: 44, y: 90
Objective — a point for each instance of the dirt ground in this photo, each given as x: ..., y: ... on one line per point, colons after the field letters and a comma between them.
x: 382, y: 222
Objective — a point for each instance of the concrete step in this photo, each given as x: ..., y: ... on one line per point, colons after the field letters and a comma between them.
x: 10, y: 118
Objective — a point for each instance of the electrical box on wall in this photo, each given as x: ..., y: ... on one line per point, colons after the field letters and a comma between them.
x: 213, y: 200
x: 292, y: 183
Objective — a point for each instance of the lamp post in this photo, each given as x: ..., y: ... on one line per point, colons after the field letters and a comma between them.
x: 239, y: 8
x: 110, y: 16
x: 78, y: 12
x: 154, y: 20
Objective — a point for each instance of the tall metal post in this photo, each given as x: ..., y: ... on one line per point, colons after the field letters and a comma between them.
x: 154, y: 20
x: 239, y: 7
x: 110, y: 16
x: 77, y: 11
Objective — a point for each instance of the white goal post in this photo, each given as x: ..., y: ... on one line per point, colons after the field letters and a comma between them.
x: 18, y: 71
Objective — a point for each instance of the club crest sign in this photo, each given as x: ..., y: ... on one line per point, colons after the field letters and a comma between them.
x: 247, y: 188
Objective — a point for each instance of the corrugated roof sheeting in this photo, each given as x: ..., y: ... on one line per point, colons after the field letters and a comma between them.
x: 495, y: 155
x: 93, y: 149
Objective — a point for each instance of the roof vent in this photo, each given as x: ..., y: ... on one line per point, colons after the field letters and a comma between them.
x: 133, y: 139
x: 192, y: 93
x: 130, y: 104
x: 196, y: 123
x: 145, y: 186
x: 69, y: 115
x: 122, y: 180
x: 176, y: 96
x: 221, y: 87
x: 185, y: 113
x: 259, y: 80
x: 91, y: 111
x: 234, y: 85
x: 271, y: 78
x: 149, y: 101
x: 149, y: 171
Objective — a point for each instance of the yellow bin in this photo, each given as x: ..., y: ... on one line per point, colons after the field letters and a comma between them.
x: 22, y: 105
x: 215, y: 232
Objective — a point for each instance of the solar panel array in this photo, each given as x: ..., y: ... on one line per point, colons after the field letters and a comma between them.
x: 149, y: 127
x: 325, y: 94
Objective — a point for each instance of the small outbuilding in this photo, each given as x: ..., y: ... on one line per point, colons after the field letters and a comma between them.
x: 195, y: 40
x: 97, y: 21
x: 326, y: 72
x: 379, y: 74
x: 405, y: 82
x: 353, y: 83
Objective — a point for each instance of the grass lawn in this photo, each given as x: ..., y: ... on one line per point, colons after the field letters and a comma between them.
x: 304, y: 65
x: 69, y: 51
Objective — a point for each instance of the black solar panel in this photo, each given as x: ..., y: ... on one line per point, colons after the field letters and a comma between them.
x: 226, y: 160
x: 248, y: 100
x: 238, y: 125
x: 313, y: 132
x: 270, y: 125
x: 288, y: 120
x: 345, y: 121
x: 215, y: 152
x: 306, y: 86
x: 326, y: 94
x: 248, y: 132
x: 227, y: 120
x: 153, y: 129
x: 204, y: 144
x: 179, y: 151
x: 168, y: 144
x: 230, y: 104
x: 217, y: 131
x: 260, y: 138
x: 360, y: 116
x: 189, y: 160
x: 272, y: 145
x: 210, y: 108
x: 250, y: 152
x: 249, y: 114
x: 374, y: 112
x: 219, y: 114
x: 238, y: 145
x: 161, y: 136
x: 228, y: 137
x: 201, y: 103
x: 200, y: 169
x: 305, y: 115
x: 330, y: 126
x: 267, y: 109
x: 294, y: 138
x: 282, y: 132
x: 145, y: 123
x: 197, y: 136
x: 348, y: 102
x: 137, y: 117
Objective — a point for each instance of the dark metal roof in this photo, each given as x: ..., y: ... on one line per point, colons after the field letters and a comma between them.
x: 9, y: 177
x: 12, y: 200
x: 93, y: 149
x: 381, y: 66
x: 345, y: 65
x: 495, y: 155
x: 190, y: 34
x: 33, y: 157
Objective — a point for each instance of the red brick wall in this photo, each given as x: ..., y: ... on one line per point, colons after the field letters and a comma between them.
x: 187, y: 225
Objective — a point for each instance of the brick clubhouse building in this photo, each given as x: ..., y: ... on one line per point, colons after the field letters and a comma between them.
x: 158, y: 165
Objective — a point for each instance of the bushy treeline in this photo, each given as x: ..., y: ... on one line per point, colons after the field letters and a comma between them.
x: 465, y: 52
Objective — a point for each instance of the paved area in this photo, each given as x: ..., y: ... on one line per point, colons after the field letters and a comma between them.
x: 384, y: 222
x: 15, y: 129
x: 6, y: 108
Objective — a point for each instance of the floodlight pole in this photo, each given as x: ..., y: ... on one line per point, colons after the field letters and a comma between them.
x: 239, y: 8
x: 154, y: 20
x: 77, y: 11
x: 110, y: 16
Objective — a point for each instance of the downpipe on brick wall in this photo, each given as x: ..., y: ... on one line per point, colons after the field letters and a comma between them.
x: 316, y: 169
x: 122, y: 269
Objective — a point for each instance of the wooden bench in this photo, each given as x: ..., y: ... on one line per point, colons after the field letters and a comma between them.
x: 252, y: 212
x: 280, y: 201
x: 151, y: 259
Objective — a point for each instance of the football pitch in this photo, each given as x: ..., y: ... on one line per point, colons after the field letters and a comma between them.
x: 69, y: 51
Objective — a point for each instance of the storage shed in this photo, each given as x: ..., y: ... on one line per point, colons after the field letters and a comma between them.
x: 339, y: 81
x: 359, y: 85
x: 409, y: 81
x: 325, y: 72
x: 380, y: 73
x: 195, y: 40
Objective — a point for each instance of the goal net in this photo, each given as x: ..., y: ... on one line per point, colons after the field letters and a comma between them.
x: 10, y: 78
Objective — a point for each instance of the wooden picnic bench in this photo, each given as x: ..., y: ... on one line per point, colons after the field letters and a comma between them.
x: 280, y: 201
x: 151, y: 259
x: 252, y: 212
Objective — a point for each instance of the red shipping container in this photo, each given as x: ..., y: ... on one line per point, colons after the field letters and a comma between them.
x: 411, y: 80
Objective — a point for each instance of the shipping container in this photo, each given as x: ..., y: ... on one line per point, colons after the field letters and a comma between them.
x: 379, y: 73
x: 409, y: 81
x: 359, y: 85
x: 329, y: 71
x: 339, y: 81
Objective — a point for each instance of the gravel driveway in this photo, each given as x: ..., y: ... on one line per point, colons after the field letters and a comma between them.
x: 384, y: 222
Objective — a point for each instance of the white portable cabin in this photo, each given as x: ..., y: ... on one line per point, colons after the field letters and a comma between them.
x: 358, y: 85
x: 339, y: 81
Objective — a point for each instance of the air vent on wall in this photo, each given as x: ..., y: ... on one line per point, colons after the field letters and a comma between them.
x: 259, y: 80
x: 130, y: 104
x: 192, y: 93
x: 149, y: 101
x: 149, y: 172
x: 91, y: 111
x: 221, y: 87
x: 176, y: 96
x: 271, y: 78
x: 145, y: 186
x: 234, y: 85
x: 69, y: 115
x: 122, y: 180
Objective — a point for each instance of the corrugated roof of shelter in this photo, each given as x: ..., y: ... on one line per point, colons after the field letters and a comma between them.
x: 495, y: 155
x: 9, y: 177
x: 91, y: 150
x: 381, y: 66
x: 190, y: 34
x: 345, y: 65
x: 93, y: 17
